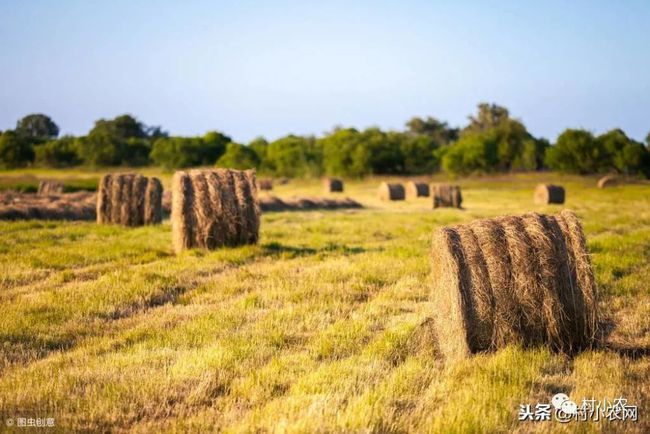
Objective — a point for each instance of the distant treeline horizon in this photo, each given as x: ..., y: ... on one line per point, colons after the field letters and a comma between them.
x: 491, y: 142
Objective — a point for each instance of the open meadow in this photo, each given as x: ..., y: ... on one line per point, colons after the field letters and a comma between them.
x: 324, y: 325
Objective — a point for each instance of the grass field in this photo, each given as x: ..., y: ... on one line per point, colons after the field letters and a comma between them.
x: 323, y: 326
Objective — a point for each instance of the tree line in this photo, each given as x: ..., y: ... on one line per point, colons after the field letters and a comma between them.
x: 492, y: 141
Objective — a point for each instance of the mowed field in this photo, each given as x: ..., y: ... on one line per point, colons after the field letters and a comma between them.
x: 323, y: 326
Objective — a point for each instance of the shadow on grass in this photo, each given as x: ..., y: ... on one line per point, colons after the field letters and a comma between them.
x: 616, y: 345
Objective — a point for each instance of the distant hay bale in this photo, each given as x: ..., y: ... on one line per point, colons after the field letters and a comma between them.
x: 265, y: 184
x: 548, y: 193
x: 333, y: 185
x: 524, y: 280
x: 214, y: 208
x: 50, y: 187
x: 446, y: 195
x: 608, y: 181
x: 167, y: 202
x: 416, y: 189
x: 391, y: 191
x: 129, y: 199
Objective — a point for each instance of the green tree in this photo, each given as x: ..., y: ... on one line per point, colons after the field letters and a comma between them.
x: 57, y: 153
x: 212, y: 147
x: 122, y: 140
x: 511, y: 136
x: 37, y: 127
x: 576, y: 151
x: 439, y: 131
x: 488, y: 117
x: 176, y: 152
x: 532, y: 155
x: 476, y: 152
x: 623, y: 154
x: 295, y: 156
x: 238, y: 157
x: 344, y: 153
x: 260, y: 146
x: 15, y: 150
x: 383, y: 149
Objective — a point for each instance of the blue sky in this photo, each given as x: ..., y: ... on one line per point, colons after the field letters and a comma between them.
x: 271, y: 68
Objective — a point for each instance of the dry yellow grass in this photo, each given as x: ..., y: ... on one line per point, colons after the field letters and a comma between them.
x: 324, y: 325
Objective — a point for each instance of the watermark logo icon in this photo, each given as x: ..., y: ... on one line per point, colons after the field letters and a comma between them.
x: 563, y: 410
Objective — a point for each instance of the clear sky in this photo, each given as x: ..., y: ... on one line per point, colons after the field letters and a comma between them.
x: 271, y: 68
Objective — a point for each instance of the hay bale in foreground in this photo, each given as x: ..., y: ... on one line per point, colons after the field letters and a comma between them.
x: 446, y: 195
x: 548, y: 193
x: 265, y: 184
x: 49, y: 187
x: 608, y: 181
x: 526, y: 280
x: 391, y: 191
x: 129, y: 199
x: 214, y: 208
x: 416, y: 189
x: 333, y: 185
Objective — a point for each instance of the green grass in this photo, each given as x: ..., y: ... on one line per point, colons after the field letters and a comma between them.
x: 322, y: 326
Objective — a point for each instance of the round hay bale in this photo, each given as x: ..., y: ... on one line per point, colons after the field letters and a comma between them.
x: 391, y: 191
x: 182, y: 216
x: 152, y: 213
x: 129, y: 199
x: 446, y: 195
x: 333, y: 185
x: 214, y: 208
x: 608, y: 181
x: 104, y: 212
x: 545, y: 194
x: 416, y: 189
x: 519, y: 279
x: 265, y: 184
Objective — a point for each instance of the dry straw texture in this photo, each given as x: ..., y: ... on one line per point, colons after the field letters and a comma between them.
x: 273, y: 203
x: 608, y: 181
x: 129, y: 199
x: 333, y: 185
x: 446, y: 195
x: 416, y: 189
x: 548, y: 193
x: 265, y: 184
x: 214, y: 208
x: 50, y: 187
x: 65, y: 206
x: 391, y: 191
x: 525, y: 280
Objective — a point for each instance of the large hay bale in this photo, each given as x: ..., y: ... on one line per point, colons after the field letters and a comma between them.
x: 333, y: 185
x: 446, y: 195
x: 214, y: 208
x: 391, y: 191
x: 525, y: 280
x: 129, y: 199
x: 50, y: 187
x: 416, y: 189
x: 265, y: 184
x: 548, y: 193
x: 608, y: 181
